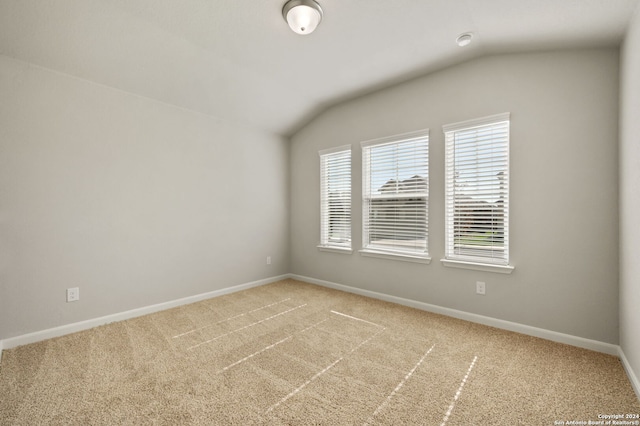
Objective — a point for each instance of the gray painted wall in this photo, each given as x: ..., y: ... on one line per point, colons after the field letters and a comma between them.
x: 133, y: 201
x: 630, y: 197
x: 564, y: 198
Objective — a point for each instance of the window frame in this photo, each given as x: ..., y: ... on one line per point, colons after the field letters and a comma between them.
x: 368, y: 248
x: 345, y: 247
x: 454, y: 255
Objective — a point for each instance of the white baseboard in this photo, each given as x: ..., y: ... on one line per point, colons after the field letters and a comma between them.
x: 568, y: 339
x: 480, y: 319
x: 62, y: 330
x: 635, y: 383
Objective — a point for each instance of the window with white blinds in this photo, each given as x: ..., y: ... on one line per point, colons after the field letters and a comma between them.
x: 395, y: 195
x: 477, y: 190
x: 335, y: 198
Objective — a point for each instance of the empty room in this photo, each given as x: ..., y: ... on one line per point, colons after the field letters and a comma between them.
x: 292, y: 212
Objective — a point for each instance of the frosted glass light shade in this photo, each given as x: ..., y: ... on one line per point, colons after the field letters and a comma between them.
x: 303, y: 16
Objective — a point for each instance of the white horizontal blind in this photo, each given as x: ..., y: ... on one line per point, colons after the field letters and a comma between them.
x: 335, y: 198
x: 395, y: 193
x: 477, y: 190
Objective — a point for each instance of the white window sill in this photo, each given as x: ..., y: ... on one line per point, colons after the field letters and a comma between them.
x: 395, y: 256
x: 341, y: 250
x: 486, y: 267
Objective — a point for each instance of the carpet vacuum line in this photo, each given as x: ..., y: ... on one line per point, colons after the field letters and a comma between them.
x: 402, y: 382
x: 320, y: 373
x: 266, y: 348
x: 245, y: 327
x: 357, y: 319
x: 230, y: 318
x: 455, y: 398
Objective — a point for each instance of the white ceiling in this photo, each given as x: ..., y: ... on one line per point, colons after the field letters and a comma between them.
x: 239, y: 61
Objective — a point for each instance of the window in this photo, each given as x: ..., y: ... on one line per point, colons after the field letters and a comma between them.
x: 477, y: 193
x: 395, y: 196
x: 335, y: 199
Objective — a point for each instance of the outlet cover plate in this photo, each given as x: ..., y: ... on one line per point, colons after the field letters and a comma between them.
x: 73, y: 294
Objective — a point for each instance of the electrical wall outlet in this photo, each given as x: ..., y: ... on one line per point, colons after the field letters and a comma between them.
x: 268, y: 260
x: 480, y: 288
x: 73, y: 294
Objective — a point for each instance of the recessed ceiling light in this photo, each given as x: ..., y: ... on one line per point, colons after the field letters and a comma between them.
x: 464, y: 39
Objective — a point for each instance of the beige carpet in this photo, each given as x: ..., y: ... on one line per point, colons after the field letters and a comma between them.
x: 293, y: 353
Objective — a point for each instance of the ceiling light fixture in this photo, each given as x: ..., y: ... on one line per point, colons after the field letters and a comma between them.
x: 464, y: 39
x: 303, y: 16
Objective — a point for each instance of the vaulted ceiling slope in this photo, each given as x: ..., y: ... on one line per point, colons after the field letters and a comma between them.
x: 239, y: 61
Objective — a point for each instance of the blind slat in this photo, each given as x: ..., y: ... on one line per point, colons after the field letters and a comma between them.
x: 335, y: 199
x: 395, y: 193
x: 477, y: 190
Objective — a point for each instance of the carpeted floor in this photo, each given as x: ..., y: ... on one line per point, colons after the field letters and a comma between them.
x: 293, y: 353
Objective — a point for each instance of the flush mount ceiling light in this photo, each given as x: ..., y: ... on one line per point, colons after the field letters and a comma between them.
x: 303, y: 16
x: 464, y: 39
